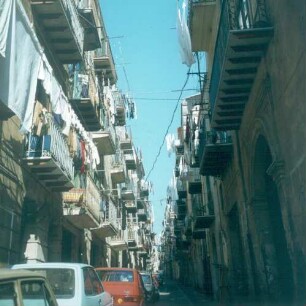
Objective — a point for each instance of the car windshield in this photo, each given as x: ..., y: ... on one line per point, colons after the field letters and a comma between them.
x: 62, y: 281
x: 116, y: 276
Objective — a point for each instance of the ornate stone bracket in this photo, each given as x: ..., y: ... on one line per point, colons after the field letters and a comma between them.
x: 277, y: 171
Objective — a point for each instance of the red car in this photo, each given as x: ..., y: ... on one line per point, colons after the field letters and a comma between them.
x: 124, y: 284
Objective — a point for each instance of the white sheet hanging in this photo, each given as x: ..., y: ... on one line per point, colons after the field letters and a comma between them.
x: 19, y: 68
x: 184, y: 37
x: 6, y: 9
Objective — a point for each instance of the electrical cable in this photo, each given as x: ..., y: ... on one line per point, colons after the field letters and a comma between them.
x: 171, y: 121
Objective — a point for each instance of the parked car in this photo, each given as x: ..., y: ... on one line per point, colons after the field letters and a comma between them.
x: 73, y: 284
x: 152, y: 293
x: 124, y: 284
x: 25, y: 288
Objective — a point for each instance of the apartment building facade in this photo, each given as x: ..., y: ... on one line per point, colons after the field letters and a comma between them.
x: 65, y: 168
x: 245, y: 136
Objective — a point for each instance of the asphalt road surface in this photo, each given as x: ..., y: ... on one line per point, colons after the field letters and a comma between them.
x: 171, y: 294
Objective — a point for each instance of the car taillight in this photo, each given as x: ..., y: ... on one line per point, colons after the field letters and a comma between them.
x: 123, y: 299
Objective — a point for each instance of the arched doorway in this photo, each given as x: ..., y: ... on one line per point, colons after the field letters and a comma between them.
x: 272, y: 253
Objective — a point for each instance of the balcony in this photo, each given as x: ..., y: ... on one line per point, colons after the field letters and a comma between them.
x: 181, y: 209
x: 130, y: 159
x: 202, y: 14
x: 199, y: 234
x: 49, y: 159
x: 179, y: 148
x: 141, y: 203
x: 84, y: 100
x: 118, y: 242
x: 242, y: 40
x: 89, y: 17
x: 132, y: 238
x: 128, y: 192
x: 125, y: 138
x: 60, y: 28
x: 118, y: 172
x: 181, y: 189
x: 108, y: 226
x: 142, y: 215
x: 81, y: 207
x: 120, y: 111
x: 131, y: 206
x: 144, y: 191
x: 203, y: 218
x: 194, y: 181
x: 216, y: 148
x: 105, y: 141
x: 104, y: 62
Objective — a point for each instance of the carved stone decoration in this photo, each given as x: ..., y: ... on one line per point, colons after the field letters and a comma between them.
x: 277, y: 171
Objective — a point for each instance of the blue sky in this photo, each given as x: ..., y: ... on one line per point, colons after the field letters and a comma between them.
x: 145, y: 48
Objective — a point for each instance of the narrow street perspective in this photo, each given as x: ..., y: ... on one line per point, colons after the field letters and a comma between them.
x: 152, y: 153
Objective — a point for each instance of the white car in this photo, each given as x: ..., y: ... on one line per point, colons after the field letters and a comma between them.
x: 73, y: 284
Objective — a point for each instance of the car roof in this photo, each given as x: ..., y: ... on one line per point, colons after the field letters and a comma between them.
x: 58, y: 265
x: 115, y: 269
x: 6, y: 274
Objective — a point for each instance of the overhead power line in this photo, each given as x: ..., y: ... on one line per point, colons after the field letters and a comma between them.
x: 171, y: 121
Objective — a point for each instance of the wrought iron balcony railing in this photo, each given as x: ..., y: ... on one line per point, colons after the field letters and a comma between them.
x: 82, y: 205
x: 104, y: 62
x: 215, y: 152
x: 48, y: 157
x: 90, y: 19
x: 118, y: 169
x: 85, y: 100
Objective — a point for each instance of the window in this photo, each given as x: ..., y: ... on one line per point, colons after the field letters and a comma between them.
x: 92, y: 284
x: 116, y: 276
x: 7, y: 295
x: 62, y: 281
x: 35, y: 293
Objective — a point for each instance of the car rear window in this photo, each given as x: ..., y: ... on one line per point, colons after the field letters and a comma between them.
x: 116, y: 276
x: 61, y: 280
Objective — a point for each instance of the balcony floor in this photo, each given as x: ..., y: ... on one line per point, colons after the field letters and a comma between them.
x: 57, y: 30
x: 202, y: 222
x: 91, y: 36
x: 49, y: 173
x: 243, y: 54
x: 85, y: 110
x: 79, y: 217
x: 117, y: 175
x: 104, y: 142
x: 118, y: 245
x: 215, y: 158
x: 106, y: 229
x: 127, y: 195
x: 103, y: 64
